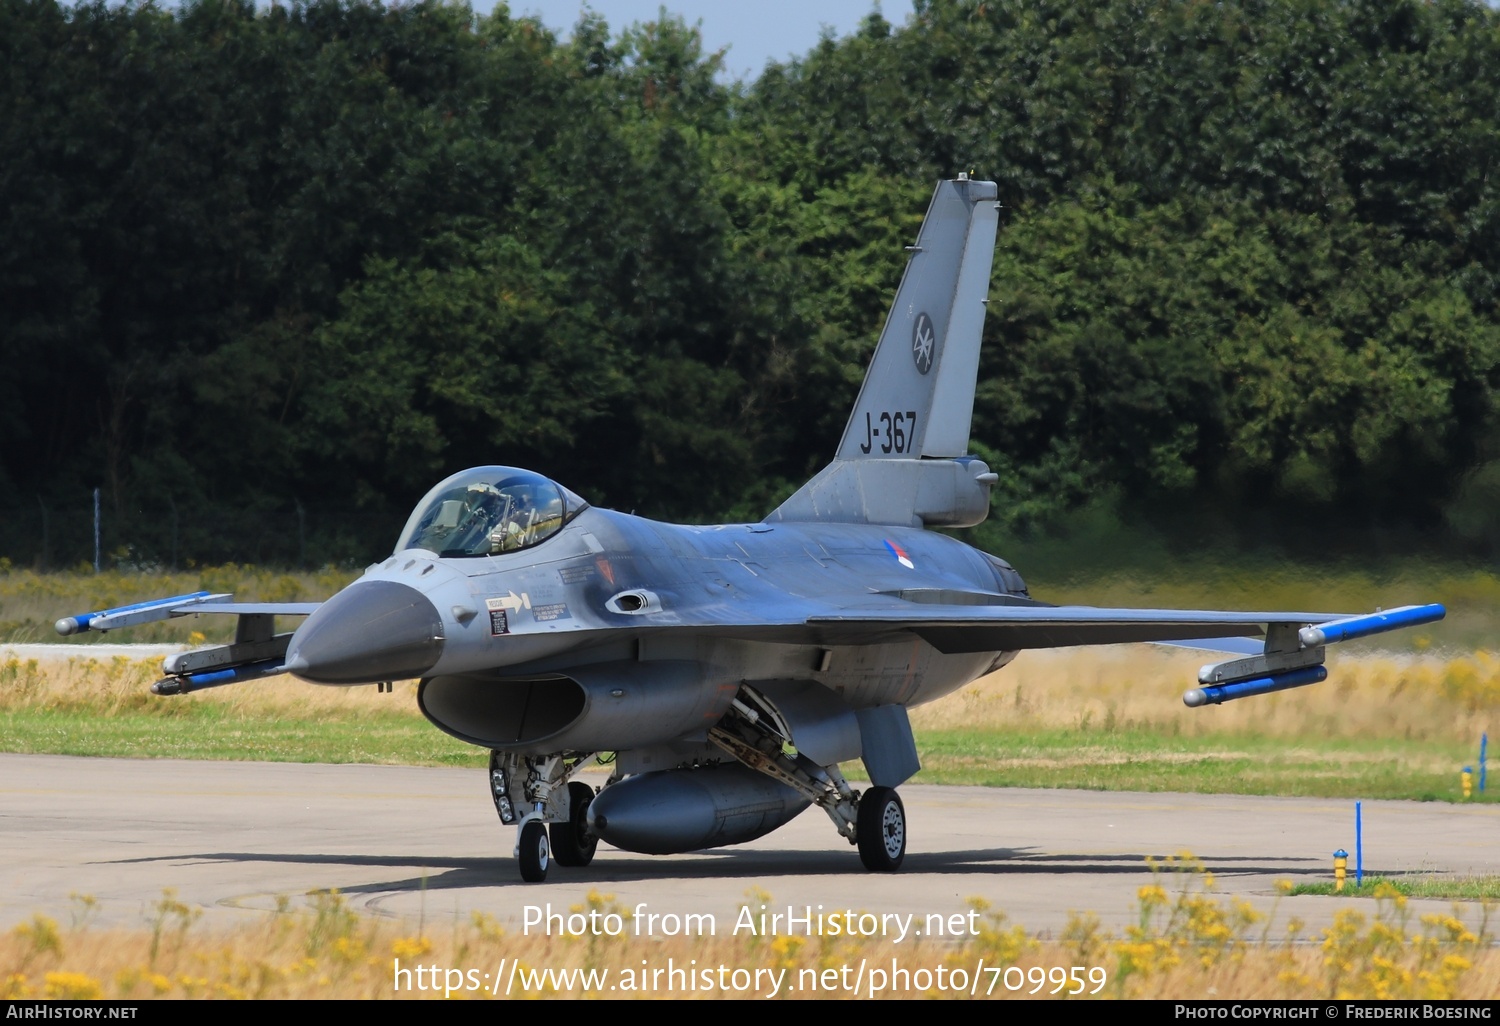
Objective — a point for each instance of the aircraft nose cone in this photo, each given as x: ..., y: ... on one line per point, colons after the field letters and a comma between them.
x: 369, y: 632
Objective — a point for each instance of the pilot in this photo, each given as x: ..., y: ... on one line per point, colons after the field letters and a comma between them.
x: 482, y: 506
x: 512, y: 531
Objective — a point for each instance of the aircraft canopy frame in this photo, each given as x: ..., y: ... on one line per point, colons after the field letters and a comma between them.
x: 489, y: 511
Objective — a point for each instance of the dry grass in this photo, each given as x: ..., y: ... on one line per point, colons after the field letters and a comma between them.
x: 1187, y: 943
x: 1420, y: 697
x: 121, y: 685
x: 1373, y: 696
x: 1227, y: 581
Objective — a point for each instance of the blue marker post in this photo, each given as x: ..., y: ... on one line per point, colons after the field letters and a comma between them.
x: 1359, y: 847
x: 1484, y: 742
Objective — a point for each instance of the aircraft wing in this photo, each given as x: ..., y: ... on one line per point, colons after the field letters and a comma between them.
x: 1292, y: 655
x: 256, y: 608
x: 1011, y: 628
x: 257, y: 650
x: 178, y: 605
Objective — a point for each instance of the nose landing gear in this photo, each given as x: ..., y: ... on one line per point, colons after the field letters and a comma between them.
x: 518, y: 784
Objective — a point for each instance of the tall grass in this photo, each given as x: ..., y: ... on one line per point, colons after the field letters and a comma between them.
x: 1112, y: 719
x: 1111, y: 687
x: 87, y: 706
x: 1372, y: 695
x: 30, y: 603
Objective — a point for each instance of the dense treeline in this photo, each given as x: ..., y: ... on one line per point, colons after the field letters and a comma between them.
x: 265, y: 277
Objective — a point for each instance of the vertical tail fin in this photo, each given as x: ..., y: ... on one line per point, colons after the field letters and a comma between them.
x: 902, y: 458
x: 918, y: 396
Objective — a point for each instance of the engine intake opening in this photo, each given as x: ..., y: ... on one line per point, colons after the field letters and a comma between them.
x: 501, y: 713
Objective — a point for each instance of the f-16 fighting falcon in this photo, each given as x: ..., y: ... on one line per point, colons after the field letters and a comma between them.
x: 725, y: 673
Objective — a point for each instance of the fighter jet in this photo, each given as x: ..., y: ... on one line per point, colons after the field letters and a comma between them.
x: 726, y: 673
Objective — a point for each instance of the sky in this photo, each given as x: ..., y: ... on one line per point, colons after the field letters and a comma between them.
x: 755, y: 33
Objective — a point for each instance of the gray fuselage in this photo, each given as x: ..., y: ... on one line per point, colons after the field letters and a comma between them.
x: 611, y: 595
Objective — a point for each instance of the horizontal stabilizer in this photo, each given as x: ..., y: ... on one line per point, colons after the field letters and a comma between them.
x: 1241, y: 646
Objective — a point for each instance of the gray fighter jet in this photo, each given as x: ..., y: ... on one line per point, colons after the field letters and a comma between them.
x: 725, y: 673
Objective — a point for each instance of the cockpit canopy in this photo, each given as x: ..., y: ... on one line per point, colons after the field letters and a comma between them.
x: 489, y: 511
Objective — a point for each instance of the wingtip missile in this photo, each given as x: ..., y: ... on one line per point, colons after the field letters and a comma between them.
x: 132, y: 615
x: 1370, y: 624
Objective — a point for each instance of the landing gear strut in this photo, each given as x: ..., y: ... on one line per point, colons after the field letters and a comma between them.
x: 756, y: 735
x: 523, y: 789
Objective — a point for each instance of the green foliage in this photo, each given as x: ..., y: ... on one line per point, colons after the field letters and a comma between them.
x: 268, y: 274
x: 1196, y: 345
x: 1464, y: 888
x: 483, y: 353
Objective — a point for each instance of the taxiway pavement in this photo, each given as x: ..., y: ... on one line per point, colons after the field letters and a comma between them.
x: 232, y: 839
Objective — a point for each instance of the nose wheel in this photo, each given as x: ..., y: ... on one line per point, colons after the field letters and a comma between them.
x: 881, y: 830
x: 533, y: 851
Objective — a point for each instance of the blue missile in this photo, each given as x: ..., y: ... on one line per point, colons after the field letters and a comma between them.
x: 129, y: 616
x: 1370, y: 623
x: 1221, y: 693
x: 189, y: 682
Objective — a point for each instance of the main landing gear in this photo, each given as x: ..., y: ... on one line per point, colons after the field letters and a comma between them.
x: 875, y: 821
x: 881, y: 830
x: 572, y: 844
x: 550, y: 811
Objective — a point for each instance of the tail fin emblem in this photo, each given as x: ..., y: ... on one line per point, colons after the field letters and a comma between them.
x: 923, y: 338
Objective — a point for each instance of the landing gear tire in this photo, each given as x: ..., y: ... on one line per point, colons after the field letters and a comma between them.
x: 881, y: 829
x: 572, y: 844
x: 535, y: 853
